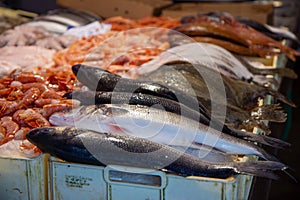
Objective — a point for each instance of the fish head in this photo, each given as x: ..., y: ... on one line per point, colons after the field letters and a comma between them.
x: 95, y: 78
x: 43, y: 136
x: 85, y: 75
x: 95, y: 117
x: 56, y: 136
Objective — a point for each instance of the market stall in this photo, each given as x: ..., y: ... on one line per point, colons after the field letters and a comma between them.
x: 97, y: 104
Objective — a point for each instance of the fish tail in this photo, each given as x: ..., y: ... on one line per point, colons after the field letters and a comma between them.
x: 262, y: 139
x: 281, y: 97
x: 274, y: 142
x: 294, y: 179
x: 265, y: 155
x: 260, y: 168
x: 272, y: 112
x: 285, y: 72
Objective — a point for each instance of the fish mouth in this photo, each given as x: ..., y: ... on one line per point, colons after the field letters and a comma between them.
x: 36, y: 134
x: 76, y: 68
x: 60, y: 118
x: 68, y: 95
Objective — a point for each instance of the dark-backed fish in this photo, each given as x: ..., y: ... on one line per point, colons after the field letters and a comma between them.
x: 89, y: 147
x: 97, y: 79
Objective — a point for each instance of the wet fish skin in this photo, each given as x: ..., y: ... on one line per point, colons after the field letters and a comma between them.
x: 239, y: 94
x: 100, y: 97
x: 92, y: 98
x: 156, y: 125
x: 107, y: 81
x: 69, y: 143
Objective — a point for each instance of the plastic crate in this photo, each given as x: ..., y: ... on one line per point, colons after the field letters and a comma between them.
x: 23, y: 178
x: 77, y: 181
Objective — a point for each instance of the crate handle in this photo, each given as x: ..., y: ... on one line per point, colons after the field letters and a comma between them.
x: 139, y: 177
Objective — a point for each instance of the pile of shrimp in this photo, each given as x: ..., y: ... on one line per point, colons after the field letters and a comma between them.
x: 27, y: 99
x: 122, y: 24
x: 134, y: 39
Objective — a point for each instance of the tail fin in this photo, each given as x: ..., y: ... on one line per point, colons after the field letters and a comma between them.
x: 272, y: 112
x: 265, y: 155
x: 262, y: 139
x: 260, y: 168
x: 264, y: 81
x: 281, y: 97
x: 285, y: 72
x: 294, y: 179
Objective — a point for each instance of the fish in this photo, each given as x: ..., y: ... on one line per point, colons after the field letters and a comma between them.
x: 82, y: 17
x: 208, y: 154
x: 98, y: 98
x: 273, y: 32
x: 89, y: 147
x: 278, y: 34
x: 184, y: 76
x: 228, y: 28
x: 202, y: 80
x: 239, y: 93
x: 155, y: 125
x: 97, y: 79
x: 51, y: 26
x: 215, y: 58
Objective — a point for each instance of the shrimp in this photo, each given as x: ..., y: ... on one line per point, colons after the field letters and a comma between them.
x: 50, y: 94
x: 21, y: 133
x: 15, y: 95
x: 7, y: 107
x: 28, y: 78
x: 5, y: 92
x: 42, y: 87
x: 26, y: 145
x: 8, y: 129
x: 30, y: 118
x: 10, y: 126
x: 52, y: 108
x: 29, y: 97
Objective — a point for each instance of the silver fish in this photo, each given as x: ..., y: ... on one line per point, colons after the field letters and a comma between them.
x: 155, y: 125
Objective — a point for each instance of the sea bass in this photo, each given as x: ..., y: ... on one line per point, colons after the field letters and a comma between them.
x: 96, y: 148
x: 98, y: 97
x: 155, y: 125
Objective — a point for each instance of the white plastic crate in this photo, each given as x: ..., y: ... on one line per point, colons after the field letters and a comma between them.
x: 77, y: 181
x: 23, y: 178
